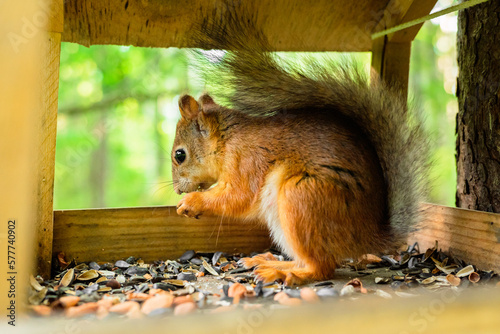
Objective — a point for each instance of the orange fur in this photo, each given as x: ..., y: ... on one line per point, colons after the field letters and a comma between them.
x: 316, y: 182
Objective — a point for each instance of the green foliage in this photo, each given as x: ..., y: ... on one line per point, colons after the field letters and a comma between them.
x: 433, y: 72
x: 118, y: 110
x: 117, y: 115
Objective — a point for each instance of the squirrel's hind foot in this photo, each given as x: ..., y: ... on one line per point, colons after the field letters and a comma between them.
x: 251, y: 262
x: 285, y: 271
x: 268, y: 269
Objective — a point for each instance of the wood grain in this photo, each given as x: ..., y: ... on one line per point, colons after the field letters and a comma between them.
x: 47, y: 128
x: 473, y: 236
x: 51, y: 48
x: 398, y: 12
x: 478, y: 118
x: 21, y: 59
x: 150, y: 233
x: 320, y: 25
x: 158, y: 232
x: 392, y: 62
x: 416, y: 10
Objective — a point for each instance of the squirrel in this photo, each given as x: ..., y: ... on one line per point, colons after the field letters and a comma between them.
x: 334, y: 165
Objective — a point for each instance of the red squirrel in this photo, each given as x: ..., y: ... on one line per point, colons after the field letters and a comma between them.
x: 333, y: 165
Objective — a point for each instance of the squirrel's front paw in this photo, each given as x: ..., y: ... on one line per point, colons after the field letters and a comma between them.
x: 191, y: 206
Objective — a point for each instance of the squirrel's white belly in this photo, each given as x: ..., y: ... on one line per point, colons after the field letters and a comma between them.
x: 268, y: 208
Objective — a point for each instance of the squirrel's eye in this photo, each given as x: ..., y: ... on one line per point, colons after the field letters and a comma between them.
x: 180, y: 156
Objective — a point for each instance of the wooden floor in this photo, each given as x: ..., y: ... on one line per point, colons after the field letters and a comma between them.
x: 471, y: 310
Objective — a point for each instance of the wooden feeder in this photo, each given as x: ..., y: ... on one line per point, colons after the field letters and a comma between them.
x: 158, y: 232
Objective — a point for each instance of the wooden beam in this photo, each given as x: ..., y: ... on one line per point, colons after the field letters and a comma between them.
x: 417, y: 9
x: 398, y: 12
x: 391, y: 61
x: 150, y: 233
x: 47, y: 123
x: 391, y: 54
x: 308, y: 25
x: 473, y: 236
x: 158, y: 232
x: 21, y: 58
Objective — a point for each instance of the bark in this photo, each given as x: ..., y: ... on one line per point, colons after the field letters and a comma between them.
x: 478, y: 119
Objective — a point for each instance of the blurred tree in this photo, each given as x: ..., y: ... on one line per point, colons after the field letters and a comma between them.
x: 478, y: 121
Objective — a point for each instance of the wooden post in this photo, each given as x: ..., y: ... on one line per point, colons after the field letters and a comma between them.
x: 21, y: 26
x: 391, y: 53
x: 51, y: 48
x: 392, y: 62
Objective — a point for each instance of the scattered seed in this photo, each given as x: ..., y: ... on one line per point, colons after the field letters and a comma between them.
x: 69, y: 301
x: 356, y: 284
x: 134, y: 288
x: 453, y: 280
x: 88, y: 275
x: 370, y: 258
x: 113, y: 284
x: 290, y: 301
x: 185, y: 308
x: 68, y: 278
x: 182, y: 299
x: 78, y: 311
x: 347, y: 290
x: 101, y: 312
x: 41, y: 310
x: 34, y: 284
x: 159, y: 301
x: 186, y: 277
x: 383, y: 294
x: 38, y: 297
x: 123, y: 308
x: 465, y: 271
x: 474, y: 277
x: 382, y: 280
x: 309, y: 295
x: 429, y: 280
x: 327, y: 293
x: 106, y: 303
x: 122, y: 264
x: 188, y: 255
x: 209, y: 268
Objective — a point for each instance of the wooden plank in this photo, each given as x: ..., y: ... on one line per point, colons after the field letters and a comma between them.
x: 473, y: 236
x: 391, y: 54
x: 47, y: 124
x: 55, y: 12
x: 397, y: 12
x: 457, y: 311
x: 20, y: 63
x: 150, y: 233
x: 319, y: 25
x: 158, y: 232
x: 417, y: 9
x: 391, y: 61
x: 392, y: 14
x: 47, y: 151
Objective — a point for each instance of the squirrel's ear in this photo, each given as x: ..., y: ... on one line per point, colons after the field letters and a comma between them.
x: 188, y: 107
x: 207, y: 103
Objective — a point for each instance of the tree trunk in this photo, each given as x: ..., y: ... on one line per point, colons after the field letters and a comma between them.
x: 478, y: 119
x: 99, y: 163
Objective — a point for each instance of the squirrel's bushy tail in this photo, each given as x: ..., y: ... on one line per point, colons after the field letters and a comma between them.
x: 261, y: 84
